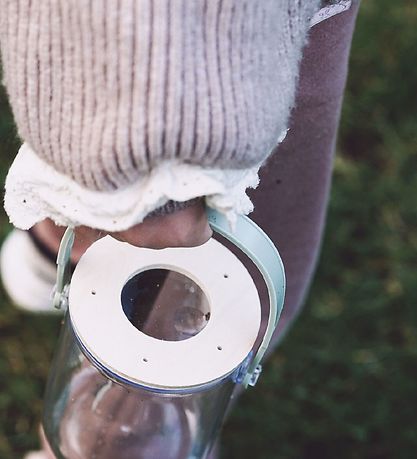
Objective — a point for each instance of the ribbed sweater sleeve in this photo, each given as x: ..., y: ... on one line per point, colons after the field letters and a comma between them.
x: 106, y: 91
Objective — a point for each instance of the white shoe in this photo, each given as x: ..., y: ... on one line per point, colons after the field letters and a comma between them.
x: 28, y: 276
x: 37, y: 455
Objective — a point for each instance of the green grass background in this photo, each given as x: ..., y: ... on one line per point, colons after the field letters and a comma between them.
x: 343, y: 384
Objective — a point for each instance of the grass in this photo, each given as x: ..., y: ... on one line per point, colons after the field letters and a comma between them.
x: 343, y: 383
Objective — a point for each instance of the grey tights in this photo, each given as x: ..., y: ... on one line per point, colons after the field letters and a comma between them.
x: 291, y: 200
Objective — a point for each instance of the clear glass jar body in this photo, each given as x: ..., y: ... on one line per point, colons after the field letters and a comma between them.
x: 89, y: 415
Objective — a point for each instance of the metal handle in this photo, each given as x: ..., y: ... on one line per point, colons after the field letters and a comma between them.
x: 63, y: 273
x: 253, y: 241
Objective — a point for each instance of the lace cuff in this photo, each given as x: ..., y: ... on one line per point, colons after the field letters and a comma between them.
x: 35, y: 191
x: 330, y: 10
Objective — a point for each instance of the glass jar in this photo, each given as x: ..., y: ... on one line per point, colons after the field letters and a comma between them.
x: 152, y: 347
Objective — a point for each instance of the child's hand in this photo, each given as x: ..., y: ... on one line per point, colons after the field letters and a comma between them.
x: 184, y: 228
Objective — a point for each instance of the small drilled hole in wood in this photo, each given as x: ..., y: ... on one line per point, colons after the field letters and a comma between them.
x: 226, y: 276
x: 145, y: 360
x: 24, y: 201
x: 93, y: 292
x: 219, y: 348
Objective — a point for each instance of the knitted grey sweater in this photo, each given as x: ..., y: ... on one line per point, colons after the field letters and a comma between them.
x: 104, y: 91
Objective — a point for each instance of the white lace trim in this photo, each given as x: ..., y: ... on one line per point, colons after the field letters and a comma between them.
x: 35, y: 191
x: 330, y: 11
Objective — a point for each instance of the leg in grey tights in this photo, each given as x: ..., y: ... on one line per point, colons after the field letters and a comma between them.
x: 291, y: 201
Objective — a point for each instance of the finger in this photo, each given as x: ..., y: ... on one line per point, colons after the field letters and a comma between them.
x: 185, y: 228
